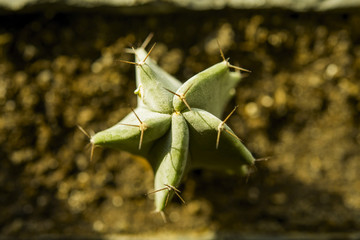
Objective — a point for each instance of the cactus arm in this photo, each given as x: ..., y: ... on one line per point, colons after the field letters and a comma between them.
x: 207, y: 90
x: 228, y: 89
x: 152, y: 82
x: 170, y: 157
x: 231, y: 154
x: 125, y: 137
x: 169, y: 81
x: 152, y: 90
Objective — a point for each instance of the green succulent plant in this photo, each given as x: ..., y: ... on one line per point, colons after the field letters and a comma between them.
x: 176, y: 126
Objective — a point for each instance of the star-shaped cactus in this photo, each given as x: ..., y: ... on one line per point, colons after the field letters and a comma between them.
x: 176, y: 126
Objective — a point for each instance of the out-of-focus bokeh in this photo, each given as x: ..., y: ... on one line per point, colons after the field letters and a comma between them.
x: 300, y: 106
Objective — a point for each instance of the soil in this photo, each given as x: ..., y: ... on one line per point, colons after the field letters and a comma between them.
x: 300, y: 106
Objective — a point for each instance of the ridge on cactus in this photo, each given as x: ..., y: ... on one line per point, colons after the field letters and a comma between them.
x: 177, y: 126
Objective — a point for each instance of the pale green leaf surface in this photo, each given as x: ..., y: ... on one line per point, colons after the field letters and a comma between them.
x: 228, y: 90
x: 169, y: 157
x: 153, y: 92
x: 231, y: 154
x: 165, y: 78
x: 208, y: 90
x: 127, y: 138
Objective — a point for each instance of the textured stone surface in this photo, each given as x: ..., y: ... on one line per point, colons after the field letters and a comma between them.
x: 144, y: 6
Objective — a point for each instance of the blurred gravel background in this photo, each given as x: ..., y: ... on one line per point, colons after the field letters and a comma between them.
x: 300, y: 105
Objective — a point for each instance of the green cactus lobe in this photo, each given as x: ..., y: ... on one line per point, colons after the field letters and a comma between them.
x: 231, y: 154
x: 208, y: 90
x: 152, y: 83
x: 170, y: 157
x: 154, y: 95
x: 166, y: 79
x: 128, y: 137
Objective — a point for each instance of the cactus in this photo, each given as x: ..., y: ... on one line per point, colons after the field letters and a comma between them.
x: 176, y: 126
